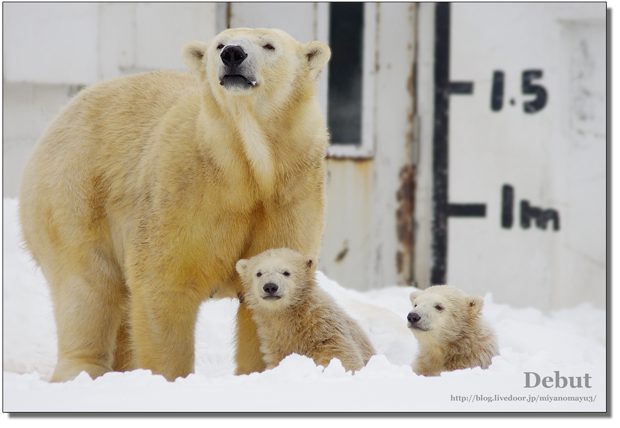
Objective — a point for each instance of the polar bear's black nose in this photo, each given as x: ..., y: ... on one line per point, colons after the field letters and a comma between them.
x: 413, y: 317
x: 233, y: 55
x: 270, y: 288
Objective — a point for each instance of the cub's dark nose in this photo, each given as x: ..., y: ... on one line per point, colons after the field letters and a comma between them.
x: 413, y: 317
x: 270, y: 288
x: 233, y: 55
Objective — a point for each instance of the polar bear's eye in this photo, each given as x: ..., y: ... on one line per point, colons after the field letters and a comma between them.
x: 439, y: 307
x: 259, y: 274
x: 286, y: 273
x: 269, y: 47
x: 220, y: 46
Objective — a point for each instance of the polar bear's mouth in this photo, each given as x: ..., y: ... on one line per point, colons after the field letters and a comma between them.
x: 271, y: 297
x: 237, y: 80
x: 416, y: 326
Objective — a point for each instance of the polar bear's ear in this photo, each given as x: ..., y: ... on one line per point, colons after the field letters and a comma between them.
x: 414, y: 295
x: 192, y: 54
x: 241, y: 266
x: 475, y: 304
x: 317, y: 54
x: 310, y: 264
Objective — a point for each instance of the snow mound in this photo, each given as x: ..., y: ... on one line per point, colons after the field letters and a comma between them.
x: 570, y: 341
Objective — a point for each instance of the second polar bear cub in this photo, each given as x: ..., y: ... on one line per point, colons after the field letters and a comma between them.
x: 294, y: 315
x: 450, y: 330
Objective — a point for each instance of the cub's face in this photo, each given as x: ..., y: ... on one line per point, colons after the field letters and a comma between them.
x: 255, y: 62
x: 275, y: 279
x: 440, y: 312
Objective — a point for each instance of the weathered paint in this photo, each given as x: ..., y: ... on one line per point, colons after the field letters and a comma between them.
x: 341, y: 255
x: 344, y: 256
x: 404, y: 222
x: 370, y: 201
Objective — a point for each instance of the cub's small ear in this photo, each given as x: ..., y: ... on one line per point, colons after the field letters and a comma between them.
x: 317, y: 54
x: 414, y: 295
x: 193, y: 54
x: 311, y: 263
x: 475, y: 304
x: 241, y: 266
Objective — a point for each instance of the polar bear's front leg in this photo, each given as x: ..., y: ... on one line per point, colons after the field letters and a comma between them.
x: 162, y: 331
x: 248, y: 355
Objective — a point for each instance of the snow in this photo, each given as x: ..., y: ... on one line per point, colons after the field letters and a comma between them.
x: 570, y: 342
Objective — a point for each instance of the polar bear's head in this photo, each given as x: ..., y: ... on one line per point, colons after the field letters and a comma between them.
x: 243, y: 62
x: 442, y: 313
x: 277, y: 278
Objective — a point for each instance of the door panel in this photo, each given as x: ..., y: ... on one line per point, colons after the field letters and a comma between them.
x: 369, y: 228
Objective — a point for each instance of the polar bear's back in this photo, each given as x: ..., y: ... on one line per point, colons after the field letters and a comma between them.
x: 97, y: 148
x: 108, y: 127
x: 122, y: 110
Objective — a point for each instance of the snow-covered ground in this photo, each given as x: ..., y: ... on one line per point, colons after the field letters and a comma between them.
x: 570, y: 342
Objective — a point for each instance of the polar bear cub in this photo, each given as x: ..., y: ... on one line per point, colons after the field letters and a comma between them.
x: 294, y: 315
x: 450, y: 330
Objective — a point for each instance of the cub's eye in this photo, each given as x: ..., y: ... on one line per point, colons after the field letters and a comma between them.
x: 220, y: 46
x: 415, y: 306
x: 259, y: 274
x: 269, y: 47
x: 439, y: 307
x: 286, y: 273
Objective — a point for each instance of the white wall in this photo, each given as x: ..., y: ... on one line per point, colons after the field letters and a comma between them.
x: 50, y: 43
x: 554, y: 158
x: 51, y: 50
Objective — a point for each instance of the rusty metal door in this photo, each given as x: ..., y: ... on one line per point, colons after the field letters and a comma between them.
x: 368, y: 96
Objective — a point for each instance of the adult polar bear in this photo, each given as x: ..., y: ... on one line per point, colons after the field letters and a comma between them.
x: 147, y: 189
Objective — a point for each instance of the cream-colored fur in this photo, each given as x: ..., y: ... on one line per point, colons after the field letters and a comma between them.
x: 450, y: 330
x: 298, y: 316
x: 145, y: 191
